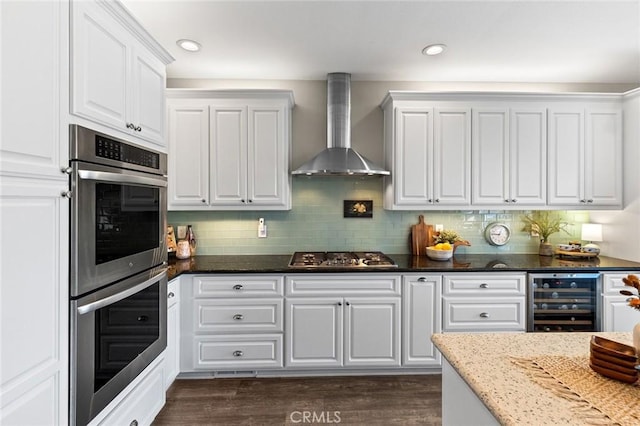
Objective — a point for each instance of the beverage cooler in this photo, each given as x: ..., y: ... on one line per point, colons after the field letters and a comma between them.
x: 564, y: 302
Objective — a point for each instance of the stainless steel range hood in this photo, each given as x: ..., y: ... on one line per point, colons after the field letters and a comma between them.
x: 339, y: 159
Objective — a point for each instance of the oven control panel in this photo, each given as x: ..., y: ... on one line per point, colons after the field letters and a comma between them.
x: 119, y: 151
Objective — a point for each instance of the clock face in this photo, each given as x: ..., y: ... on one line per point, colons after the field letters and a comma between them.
x: 497, y: 234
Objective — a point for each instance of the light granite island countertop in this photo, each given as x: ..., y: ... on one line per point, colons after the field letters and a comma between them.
x: 483, y: 383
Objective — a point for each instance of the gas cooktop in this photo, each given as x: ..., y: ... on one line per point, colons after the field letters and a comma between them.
x: 341, y: 259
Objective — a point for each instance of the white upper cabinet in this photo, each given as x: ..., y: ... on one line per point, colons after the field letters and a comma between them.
x: 509, y: 148
x: 118, y: 72
x: 188, y: 162
x: 234, y: 149
x: 585, y: 156
x: 34, y: 81
x: 428, y: 151
x: 502, y: 150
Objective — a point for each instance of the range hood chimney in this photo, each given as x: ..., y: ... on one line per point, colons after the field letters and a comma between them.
x: 338, y: 159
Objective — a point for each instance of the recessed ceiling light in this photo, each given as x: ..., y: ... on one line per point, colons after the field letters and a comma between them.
x: 188, y: 45
x: 433, y: 49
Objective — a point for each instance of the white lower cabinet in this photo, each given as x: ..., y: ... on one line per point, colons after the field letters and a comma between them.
x: 231, y: 322
x: 357, y: 327
x: 617, y: 315
x: 421, y: 317
x: 484, y: 302
x: 172, y: 353
x: 140, y: 402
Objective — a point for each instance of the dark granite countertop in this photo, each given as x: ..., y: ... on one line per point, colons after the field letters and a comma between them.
x: 262, y: 264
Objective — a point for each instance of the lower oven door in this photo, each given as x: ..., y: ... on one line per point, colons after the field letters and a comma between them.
x: 116, y: 333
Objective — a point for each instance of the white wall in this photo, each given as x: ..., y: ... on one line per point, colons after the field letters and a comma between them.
x: 621, y: 229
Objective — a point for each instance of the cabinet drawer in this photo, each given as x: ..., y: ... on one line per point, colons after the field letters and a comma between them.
x: 484, y: 284
x: 343, y: 285
x: 173, y: 292
x: 238, y: 316
x: 238, y: 286
x: 612, y: 283
x: 467, y: 314
x: 238, y: 352
x: 143, y: 403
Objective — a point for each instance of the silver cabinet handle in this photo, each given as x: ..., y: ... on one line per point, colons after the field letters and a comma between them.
x: 590, y: 201
x: 238, y: 353
x: 507, y: 200
x: 513, y: 200
x: 66, y: 170
x: 484, y: 285
x: 238, y: 317
x: 138, y: 129
x: 204, y: 201
x: 66, y: 194
x: 437, y: 200
x: 242, y: 200
x: 583, y: 201
x: 422, y: 279
x: 429, y: 200
x: 348, y: 303
x: 237, y: 287
x: 339, y: 303
x: 170, y: 295
x: 134, y: 422
x: 484, y: 315
x: 131, y: 126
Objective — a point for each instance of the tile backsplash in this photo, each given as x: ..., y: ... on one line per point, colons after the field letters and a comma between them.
x: 316, y: 223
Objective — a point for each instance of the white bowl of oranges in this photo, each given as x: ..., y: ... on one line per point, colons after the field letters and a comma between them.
x: 441, y: 251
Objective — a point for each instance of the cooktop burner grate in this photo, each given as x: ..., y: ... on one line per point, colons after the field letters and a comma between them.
x: 341, y: 259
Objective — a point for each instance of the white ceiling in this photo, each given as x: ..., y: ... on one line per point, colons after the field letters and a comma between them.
x: 492, y: 41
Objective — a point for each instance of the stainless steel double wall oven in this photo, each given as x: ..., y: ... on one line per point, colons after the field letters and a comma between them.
x: 118, y: 279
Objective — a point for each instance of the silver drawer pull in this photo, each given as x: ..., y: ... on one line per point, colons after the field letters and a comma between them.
x: 484, y: 315
x: 484, y: 285
x: 422, y: 279
x: 134, y: 423
x: 237, y: 353
x: 238, y: 317
x: 237, y: 287
x: 170, y: 295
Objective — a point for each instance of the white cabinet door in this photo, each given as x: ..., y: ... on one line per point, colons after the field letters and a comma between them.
x: 267, y: 157
x: 101, y: 56
x: 431, y: 156
x: 490, y: 147
x: 34, y: 303
x: 34, y: 81
x: 172, y: 353
x: 617, y: 315
x: 413, y: 164
x: 566, y: 156
x: 313, y: 332
x: 603, y: 158
x: 452, y: 156
x: 528, y: 157
x: 188, y: 155
x: 585, y: 157
x: 117, y: 81
x: 421, y: 317
x: 372, y: 331
x: 228, y: 155
x: 147, y: 96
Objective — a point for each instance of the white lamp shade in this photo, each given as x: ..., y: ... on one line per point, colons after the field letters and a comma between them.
x: 591, y: 232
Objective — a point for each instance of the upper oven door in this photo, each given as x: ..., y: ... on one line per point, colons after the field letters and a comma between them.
x: 118, y: 224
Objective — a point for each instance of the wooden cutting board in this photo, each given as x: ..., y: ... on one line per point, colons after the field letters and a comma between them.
x: 421, y: 237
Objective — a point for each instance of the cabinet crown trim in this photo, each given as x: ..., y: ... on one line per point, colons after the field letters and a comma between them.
x: 122, y: 14
x: 270, y: 94
x: 407, y: 95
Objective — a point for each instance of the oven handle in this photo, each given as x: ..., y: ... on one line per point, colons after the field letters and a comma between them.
x: 120, y: 178
x: 93, y: 306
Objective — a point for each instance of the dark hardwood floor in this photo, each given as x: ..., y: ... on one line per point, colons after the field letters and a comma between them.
x: 353, y: 400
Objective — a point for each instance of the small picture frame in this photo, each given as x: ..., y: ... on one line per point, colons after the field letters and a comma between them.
x: 358, y: 208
